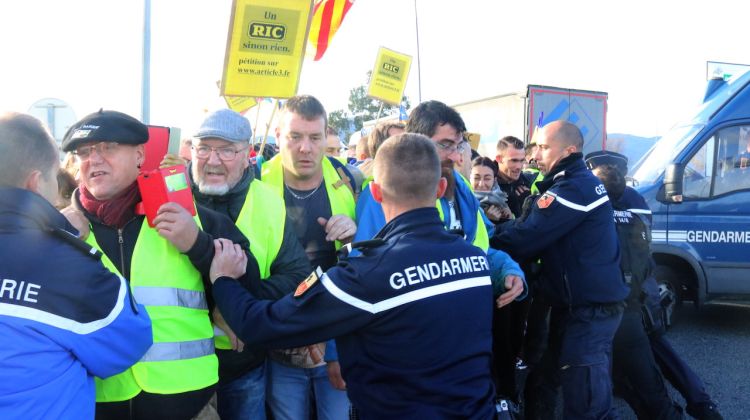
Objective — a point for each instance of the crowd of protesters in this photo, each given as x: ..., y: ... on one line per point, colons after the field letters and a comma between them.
x: 405, y: 277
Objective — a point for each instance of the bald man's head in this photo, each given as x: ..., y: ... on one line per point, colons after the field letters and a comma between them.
x: 566, y: 133
x: 556, y: 141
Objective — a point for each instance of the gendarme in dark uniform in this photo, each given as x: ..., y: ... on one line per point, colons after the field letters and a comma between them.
x: 411, y: 316
x: 570, y: 226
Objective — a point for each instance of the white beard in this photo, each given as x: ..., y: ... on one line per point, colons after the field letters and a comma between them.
x: 213, y: 189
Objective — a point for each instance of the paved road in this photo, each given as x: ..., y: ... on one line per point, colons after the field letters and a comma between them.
x: 715, y: 341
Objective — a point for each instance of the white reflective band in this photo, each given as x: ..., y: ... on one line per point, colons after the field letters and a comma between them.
x: 640, y: 211
x: 674, y: 235
x: 170, y: 296
x: 218, y: 332
x: 659, y: 235
x: 181, y: 350
x: 677, y: 235
x: 579, y: 207
x: 63, y: 323
x: 409, y: 297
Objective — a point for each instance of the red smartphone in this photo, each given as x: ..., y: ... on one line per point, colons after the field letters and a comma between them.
x: 159, y: 186
x: 161, y: 140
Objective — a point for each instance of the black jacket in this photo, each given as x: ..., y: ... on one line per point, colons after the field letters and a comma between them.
x: 288, y: 269
x: 290, y: 266
x: 515, y: 200
x: 571, y: 227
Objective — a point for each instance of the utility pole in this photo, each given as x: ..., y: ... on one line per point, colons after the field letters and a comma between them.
x: 50, y: 106
x: 146, y: 74
x: 419, y: 66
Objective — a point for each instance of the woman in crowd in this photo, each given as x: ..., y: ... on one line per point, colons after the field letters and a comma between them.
x: 494, y: 201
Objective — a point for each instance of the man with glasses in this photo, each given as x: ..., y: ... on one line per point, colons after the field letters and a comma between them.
x: 458, y: 208
x: 224, y: 181
x: 167, y: 267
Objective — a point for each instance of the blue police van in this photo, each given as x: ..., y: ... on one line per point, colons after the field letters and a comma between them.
x: 696, y: 180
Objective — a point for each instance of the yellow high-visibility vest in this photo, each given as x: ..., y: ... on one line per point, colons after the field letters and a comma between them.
x: 261, y: 220
x: 481, y: 238
x: 339, y: 193
x: 182, y: 357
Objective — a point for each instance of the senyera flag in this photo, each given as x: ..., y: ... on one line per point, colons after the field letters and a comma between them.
x: 327, y: 18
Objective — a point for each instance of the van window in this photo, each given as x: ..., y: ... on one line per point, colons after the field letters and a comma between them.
x: 721, y: 166
x: 699, y: 172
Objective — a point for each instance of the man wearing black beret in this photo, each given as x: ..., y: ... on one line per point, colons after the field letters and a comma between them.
x: 167, y: 267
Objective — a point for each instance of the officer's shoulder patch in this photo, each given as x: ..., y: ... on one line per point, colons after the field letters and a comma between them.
x: 545, y: 200
x: 308, y: 282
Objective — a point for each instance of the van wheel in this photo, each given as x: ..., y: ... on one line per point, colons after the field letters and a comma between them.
x: 669, y: 296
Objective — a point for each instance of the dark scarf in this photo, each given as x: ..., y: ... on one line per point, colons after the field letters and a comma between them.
x: 116, y: 211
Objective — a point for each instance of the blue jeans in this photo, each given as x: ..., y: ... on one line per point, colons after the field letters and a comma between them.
x: 244, y: 397
x: 290, y: 390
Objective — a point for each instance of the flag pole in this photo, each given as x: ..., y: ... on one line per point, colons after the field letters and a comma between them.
x: 379, y: 111
x: 419, y: 66
x: 146, y: 65
x: 257, y: 116
x: 268, y: 126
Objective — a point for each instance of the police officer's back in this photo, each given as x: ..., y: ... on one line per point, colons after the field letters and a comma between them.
x: 64, y: 318
x: 411, y: 315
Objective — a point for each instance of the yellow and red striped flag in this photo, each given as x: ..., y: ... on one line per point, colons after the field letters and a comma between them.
x: 327, y: 18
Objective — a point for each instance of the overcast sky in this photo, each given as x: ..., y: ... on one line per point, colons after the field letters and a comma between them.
x: 650, y: 56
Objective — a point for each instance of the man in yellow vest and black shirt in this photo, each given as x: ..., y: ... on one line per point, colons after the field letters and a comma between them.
x: 224, y: 181
x: 318, y: 197
x: 167, y: 268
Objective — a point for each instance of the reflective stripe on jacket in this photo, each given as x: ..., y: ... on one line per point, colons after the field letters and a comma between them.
x: 182, y: 356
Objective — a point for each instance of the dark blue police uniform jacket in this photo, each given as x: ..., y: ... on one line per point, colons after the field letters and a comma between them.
x: 64, y: 318
x: 411, y: 316
x: 570, y: 226
x: 634, y: 205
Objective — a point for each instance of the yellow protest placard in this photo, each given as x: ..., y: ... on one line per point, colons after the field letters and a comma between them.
x: 265, y: 48
x: 473, y: 139
x: 240, y: 103
x: 388, y: 79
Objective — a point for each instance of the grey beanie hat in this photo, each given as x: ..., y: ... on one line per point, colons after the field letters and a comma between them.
x: 227, y: 125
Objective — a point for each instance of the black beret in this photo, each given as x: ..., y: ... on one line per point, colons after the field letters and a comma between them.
x: 605, y: 157
x: 105, y: 126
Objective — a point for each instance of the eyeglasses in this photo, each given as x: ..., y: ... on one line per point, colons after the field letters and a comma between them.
x: 451, y: 148
x: 104, y: 149
x: 224, y: 153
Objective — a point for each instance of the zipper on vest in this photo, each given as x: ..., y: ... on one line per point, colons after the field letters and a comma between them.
x: 121, y: 241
